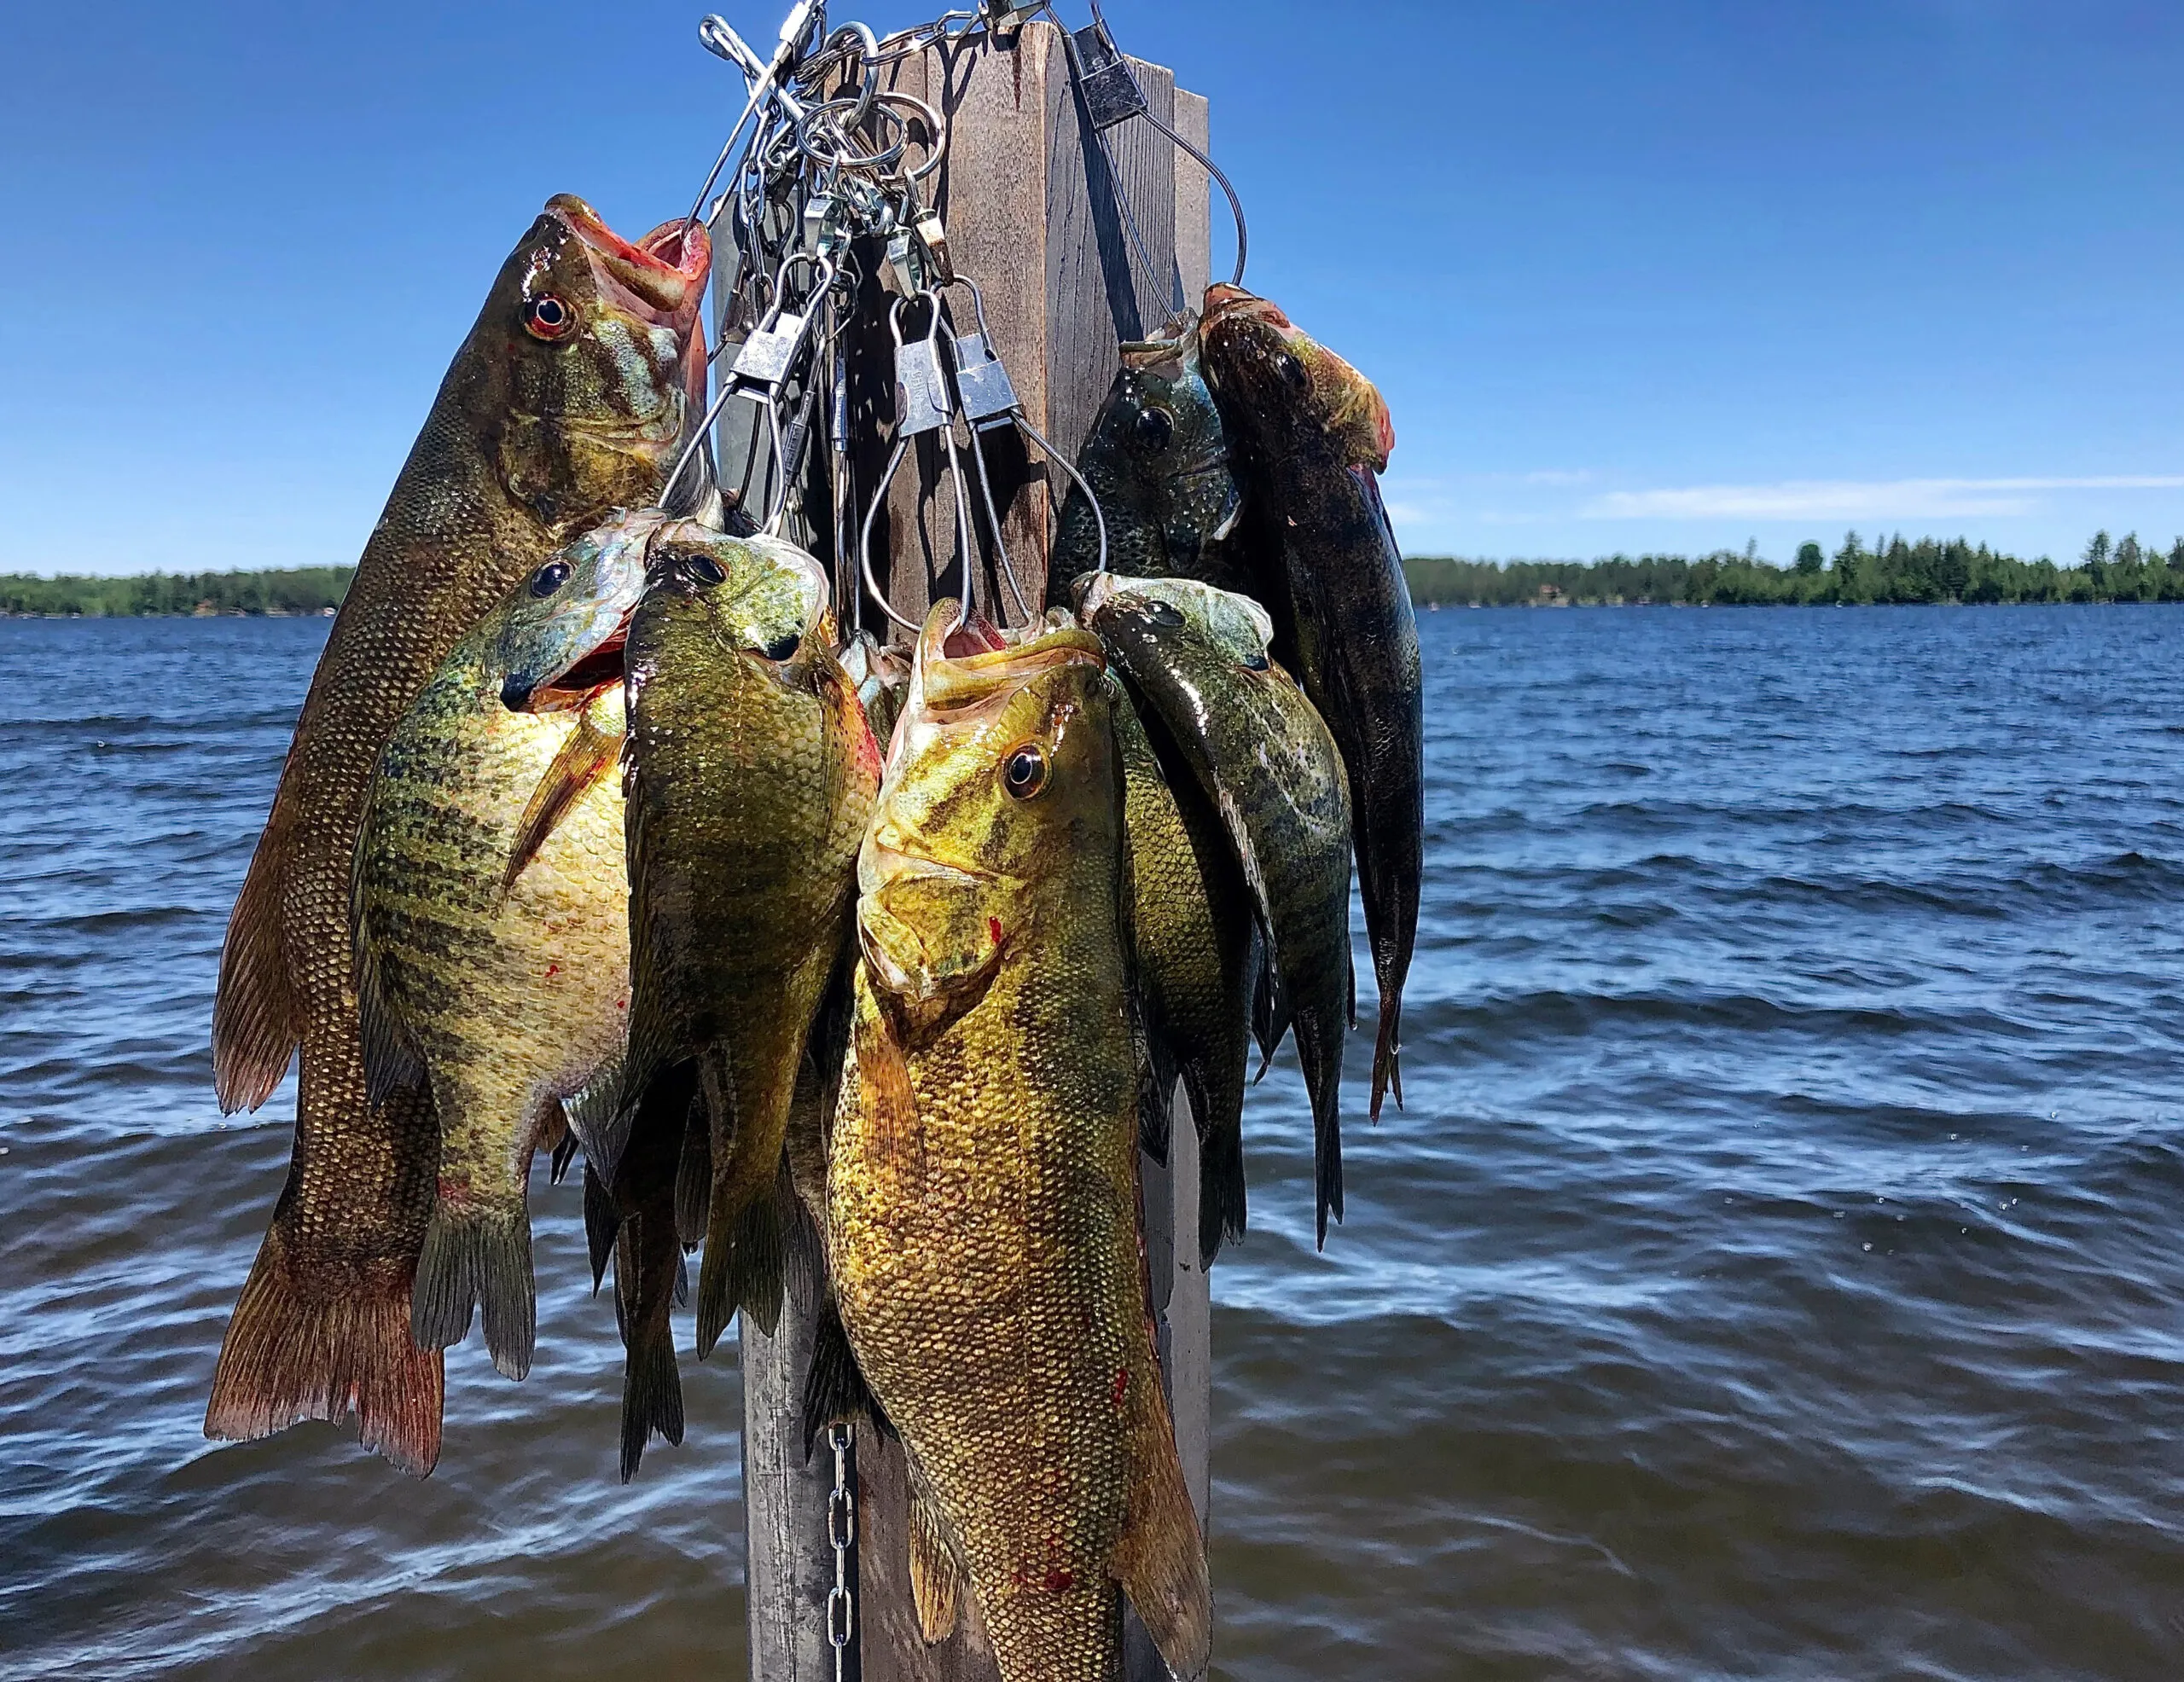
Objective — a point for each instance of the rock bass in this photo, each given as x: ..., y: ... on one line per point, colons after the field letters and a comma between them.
x: 751, y: 777
x: 1196, y: 657
x: 569, y: 397
x: 983, y: 1225
x: 492, y: 917
x: 1312, y: 433
x: 1157, y: 458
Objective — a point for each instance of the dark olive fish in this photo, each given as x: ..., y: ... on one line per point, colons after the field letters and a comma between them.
x: 1312, y: 433
x: 1196, y: 659
x: 751, y: 775
x: 1158, y: 459
x: 571, y: 397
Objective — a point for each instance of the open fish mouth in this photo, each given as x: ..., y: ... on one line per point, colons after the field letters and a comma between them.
x: 664, y: 272
x: 601, y: 669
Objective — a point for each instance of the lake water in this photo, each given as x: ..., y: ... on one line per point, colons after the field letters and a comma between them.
x: 1776, y: 1275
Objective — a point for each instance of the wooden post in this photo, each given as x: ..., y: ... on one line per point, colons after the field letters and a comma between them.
x: 1033, y: 216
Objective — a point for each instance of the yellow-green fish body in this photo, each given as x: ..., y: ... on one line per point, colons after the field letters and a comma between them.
x: 983, y: 1219
x: 491, y: 912
x: 752, y: 778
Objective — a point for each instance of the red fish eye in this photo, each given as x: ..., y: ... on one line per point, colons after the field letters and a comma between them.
x: 546, y: 317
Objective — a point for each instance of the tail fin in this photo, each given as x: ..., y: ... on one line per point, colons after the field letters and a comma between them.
x: 1387, y: 1054
x: 288, y: 1357
x: 834, y: 1389
x: 256, y: 1021
x: 472, y: 1257
x: 651, y: 1389
x: 1221, y: 1193
x: 1323, y: 1080
x: 746, y: 1267
x: 1160, y: 1560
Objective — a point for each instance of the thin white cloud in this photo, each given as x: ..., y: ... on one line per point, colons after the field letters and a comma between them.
x: 1852, y: 499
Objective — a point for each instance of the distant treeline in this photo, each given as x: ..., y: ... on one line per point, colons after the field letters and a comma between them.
x: 300, y: 590
x: 1928, y: 570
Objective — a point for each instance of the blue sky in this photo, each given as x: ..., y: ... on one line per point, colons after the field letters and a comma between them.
x: 1661, y: 276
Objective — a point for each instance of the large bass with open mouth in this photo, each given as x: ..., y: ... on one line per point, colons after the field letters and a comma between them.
x: 983, y: 1225
x: 572, y: 395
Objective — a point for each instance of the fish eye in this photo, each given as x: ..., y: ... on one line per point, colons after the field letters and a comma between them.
x: 549, y: 579
x: 1292, y: 372
x: 1023, y: 772
x: 546, y: 317
x: 1156, y: 428
x: 1255, y: 662
x: 704, y: 569
x: 784, y: 646
x: 1163, y: 612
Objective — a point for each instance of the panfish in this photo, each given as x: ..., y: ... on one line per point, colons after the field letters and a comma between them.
x: 1197, y: 662
x: 983, y: 1223
x: 1158, y: 459
x: 1196, y: 944
x: 493, y: 916
x: 1312, y: 433
x: 571, y: 395
x: 752, y: 776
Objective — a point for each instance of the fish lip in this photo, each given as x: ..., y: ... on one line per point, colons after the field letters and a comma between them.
x: 1224, y: 300
x: 950, y: 689
x: 664, y: 271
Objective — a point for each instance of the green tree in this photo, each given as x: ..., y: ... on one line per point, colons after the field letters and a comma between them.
x: 1810, y: 558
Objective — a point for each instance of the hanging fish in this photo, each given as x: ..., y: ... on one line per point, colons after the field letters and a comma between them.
x: 983, y: 1218
x: 571, y: 395
x: 1157, y: 460
x: 1312, y: 433
x: 752, y: 776
x: 1197, y: 660
x: 492, y: 917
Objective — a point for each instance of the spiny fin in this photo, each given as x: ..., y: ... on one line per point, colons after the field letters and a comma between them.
x: 1160, y: 1559
x: 746, y: 1267
x: 255, y: 1018
x: 835, y: 1387
x: 286, y: 1360
x: 392, y: 1062
x: 938, y: 1577
x: 590, y: 1112
x: 586, y: 755
x: 478, y: 1258
x: 564, y: 1154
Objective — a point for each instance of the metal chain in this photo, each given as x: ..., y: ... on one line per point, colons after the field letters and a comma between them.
x: 841, y: 1533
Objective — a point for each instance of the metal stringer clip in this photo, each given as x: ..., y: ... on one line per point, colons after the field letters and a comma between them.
x: 990, y: 404
x: 924, y: 403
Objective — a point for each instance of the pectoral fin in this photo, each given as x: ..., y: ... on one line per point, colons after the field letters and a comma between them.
x: 939, y: 1580
x: 587, y: 756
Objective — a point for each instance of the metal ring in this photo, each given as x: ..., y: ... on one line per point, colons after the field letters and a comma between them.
x: 844, y: 159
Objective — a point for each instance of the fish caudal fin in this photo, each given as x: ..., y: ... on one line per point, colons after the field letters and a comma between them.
x: 746, y: 1267
x: 835, y: 1387
x: 939, y: 1578
x: 1160, y: 1560
x: 1221, y: 1192
x: 256, y: 1019
x: 481, y: 1259
x: 1387, y: 1055
x: 288, y: 1357
x: 1323, y: 1080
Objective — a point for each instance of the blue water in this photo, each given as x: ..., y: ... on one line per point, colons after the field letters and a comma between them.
x: 1776, y: 1273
